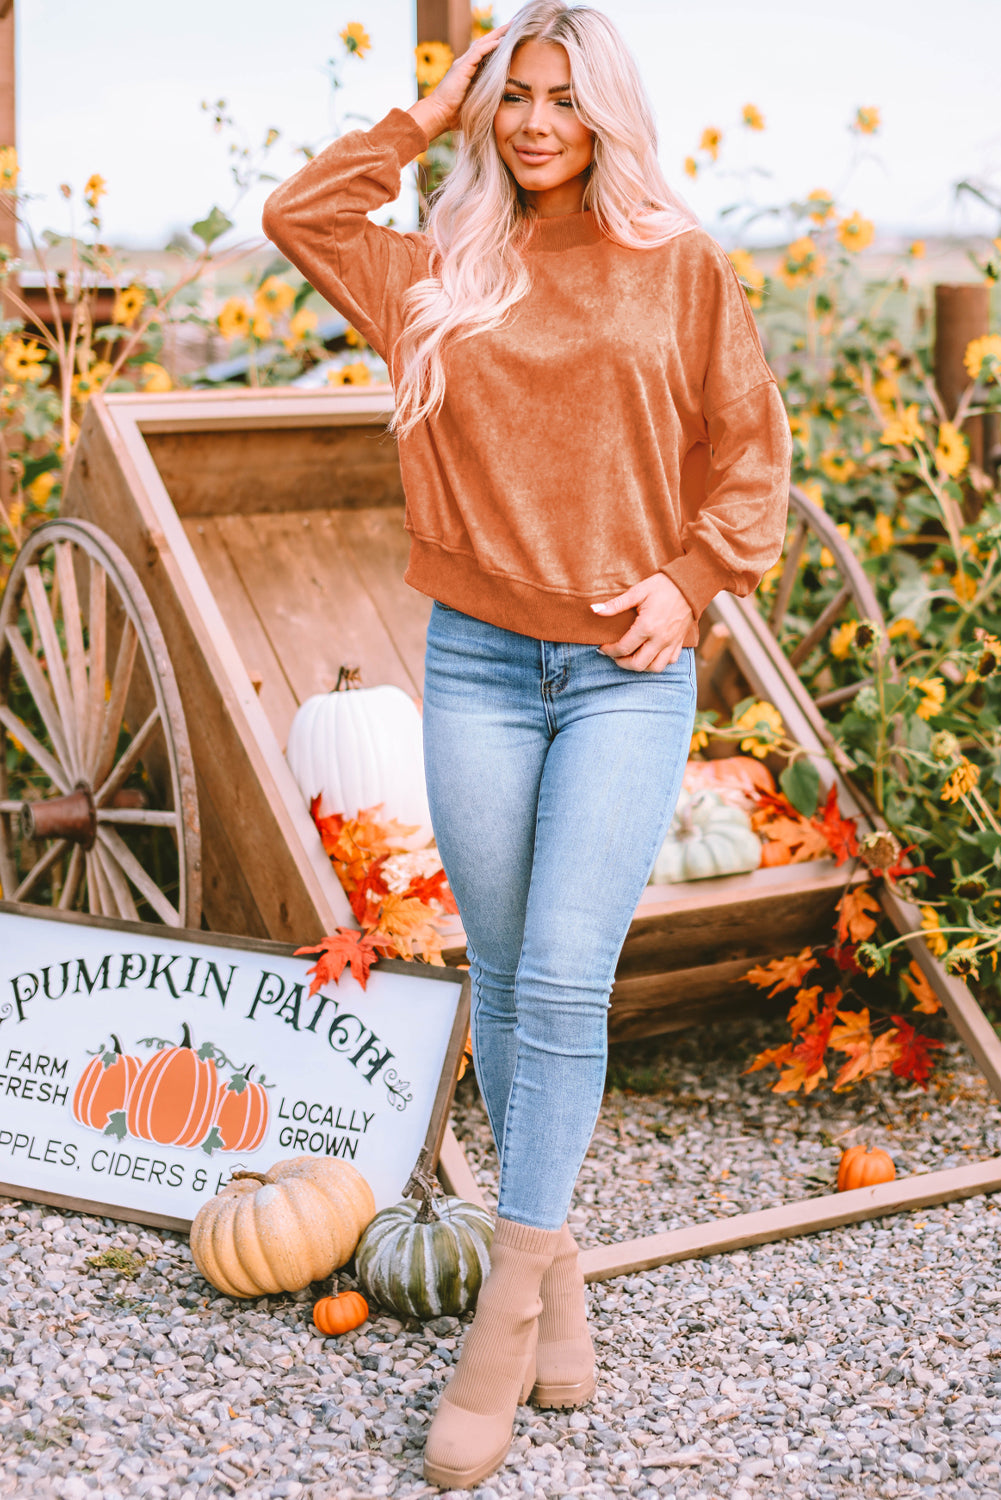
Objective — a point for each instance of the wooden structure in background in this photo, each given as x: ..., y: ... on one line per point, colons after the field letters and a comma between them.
x: 962, y: 313
x: 445, y: 21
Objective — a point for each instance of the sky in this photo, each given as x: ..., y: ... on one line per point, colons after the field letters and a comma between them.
x: 115, y: 87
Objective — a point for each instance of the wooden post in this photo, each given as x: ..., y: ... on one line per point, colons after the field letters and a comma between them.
x: 8, y: 123
x: 962, y: 313
x: 448, y: 21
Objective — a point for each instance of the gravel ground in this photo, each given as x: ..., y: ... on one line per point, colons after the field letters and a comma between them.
x: 857, y: 1362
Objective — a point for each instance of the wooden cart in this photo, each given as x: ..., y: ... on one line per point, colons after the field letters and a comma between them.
x: 224, y: 554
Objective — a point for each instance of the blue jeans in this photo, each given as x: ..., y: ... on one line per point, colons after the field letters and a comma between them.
x: 552, y: 777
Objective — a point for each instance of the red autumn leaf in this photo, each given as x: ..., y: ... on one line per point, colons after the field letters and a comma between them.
x: 853, y: 911
x: 838, y: 831
x: 776, y: 1055
x: 799, y: 1075
x: 925, y: 998
x: 430, y: 888
x: 782, y: 973
x: 913, y: 1061
x: 866, y: 1055
x: 367, y: 897
x: 344, y: 948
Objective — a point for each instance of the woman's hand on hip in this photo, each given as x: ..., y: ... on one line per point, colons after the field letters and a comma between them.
x: 656, y: 637
x: 440, y: 110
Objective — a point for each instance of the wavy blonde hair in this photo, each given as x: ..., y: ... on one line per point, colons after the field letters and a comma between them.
x: 478, y: 216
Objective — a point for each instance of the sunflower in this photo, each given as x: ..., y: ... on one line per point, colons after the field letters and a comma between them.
x: 92, y: 381
x: 822, y: 205
x: 94, y: 189
x: 233, y: 318
x: 952, y: 450
x: 855, y: 233
x: 354, y: 374
x: 691, y: 167
x: 354, y: 339
x: 983, y: 357
x: 765, y: 723
x: 750, y: 273
x: 752, y: 117
x: 8, y: 169
x: 24, y: 359
x: 300, y: 326
x: 355, y: 38
x: 483, y: 20
x: 803, y: 262
x: 710, y: 141
x: 836, y: 465
x: 916, y: 249
x: 866, y: 120
x: 433, y: 61
x: 930, y: 925
x: 903, y: 429
x: 932, y: 690
x: 128, y: 305
x: 41, y: 488
x: 156, y: 379
x: 273, y: 297
x: 842, y: 638
x: 961, y: 781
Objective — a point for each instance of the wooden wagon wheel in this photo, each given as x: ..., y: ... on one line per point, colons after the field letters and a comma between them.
x: 90, y: 712
x: 850, y: 596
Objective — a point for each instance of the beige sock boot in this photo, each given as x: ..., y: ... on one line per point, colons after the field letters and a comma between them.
x: 471, y: 1431
x: 564, y: 1355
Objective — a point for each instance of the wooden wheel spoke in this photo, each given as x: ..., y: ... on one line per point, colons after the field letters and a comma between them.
x: 73, y: 632
x: 143, y: 883
x: 35, y: 682
x: 116, y: 884
x: 842, y: 694
x: 37, y: 751
x: 55, y: 664
x: 787, y: 580
x: 115, y: 706
x: 72, y: 881
x: 820, y: 626
x: 97, y: 629
x: 99, y: 901
x: 137, y: 817
x: 117, y: 776
x: 48, y: 859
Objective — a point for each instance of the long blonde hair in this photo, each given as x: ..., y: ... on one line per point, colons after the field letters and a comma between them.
x: 477, y: 217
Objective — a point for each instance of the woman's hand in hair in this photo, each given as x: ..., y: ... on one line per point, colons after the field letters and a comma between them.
x: 439, y: 111
x: 656, y: 637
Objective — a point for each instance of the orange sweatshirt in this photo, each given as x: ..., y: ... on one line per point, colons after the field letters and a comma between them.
x: 622, y: 420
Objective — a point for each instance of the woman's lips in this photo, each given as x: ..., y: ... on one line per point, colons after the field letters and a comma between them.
x: 535, y: 156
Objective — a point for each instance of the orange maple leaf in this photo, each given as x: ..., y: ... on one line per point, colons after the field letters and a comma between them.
x: 368, y: 895
x: 855, y: 1028
x: 789, y: 837
x: 776, y: 1055
x: 853, y: 911
x: 782, y: 973
x: 866, y: 1056
x: 838, y: 831
x: 925, y: 998
x: 913, y: 1060
x: 342, y: 948
x: 803, y: 1008
x: 799, y: 1075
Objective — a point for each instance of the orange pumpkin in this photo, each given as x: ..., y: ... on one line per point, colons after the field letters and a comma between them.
x: 340, y: 1314
x: 740, y: 779
x: 242, y: 1117
x: 860, y: 1167
x: 174, y: 1099
x: 104, y: 1085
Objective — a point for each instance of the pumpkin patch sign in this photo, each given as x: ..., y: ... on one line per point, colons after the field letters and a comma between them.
x: 140, y: 1066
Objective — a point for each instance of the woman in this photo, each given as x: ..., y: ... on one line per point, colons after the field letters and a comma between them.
x: 592, y: 446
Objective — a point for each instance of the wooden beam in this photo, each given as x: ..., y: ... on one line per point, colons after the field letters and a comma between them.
x: 962, y: 313
x: 802, y: 1216
x: 448, y: 21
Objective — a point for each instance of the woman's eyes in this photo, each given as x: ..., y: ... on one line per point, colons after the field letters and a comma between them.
x: 522, y: 98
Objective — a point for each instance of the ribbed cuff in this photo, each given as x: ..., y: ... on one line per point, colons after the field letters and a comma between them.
x: 693, y: 578
x: 525, y: 1238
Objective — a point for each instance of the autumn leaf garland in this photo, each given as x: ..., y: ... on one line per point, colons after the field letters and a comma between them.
x: 391, y: 923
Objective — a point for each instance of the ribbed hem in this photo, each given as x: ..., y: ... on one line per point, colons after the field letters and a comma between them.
x: 525, y: 1238
x: 455, y: 579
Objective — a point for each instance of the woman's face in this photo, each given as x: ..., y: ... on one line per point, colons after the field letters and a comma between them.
x: 541, y: 141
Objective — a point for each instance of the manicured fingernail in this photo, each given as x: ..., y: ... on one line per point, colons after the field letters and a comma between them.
x: 599, y: 608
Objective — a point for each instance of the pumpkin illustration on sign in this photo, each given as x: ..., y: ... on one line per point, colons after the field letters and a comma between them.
x: 241, y: 1122
x: 357, y: 747
x: 174, y: 1098
x: 103, y: 1087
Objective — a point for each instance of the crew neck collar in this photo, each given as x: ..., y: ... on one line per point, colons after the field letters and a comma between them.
x: 562, y: 232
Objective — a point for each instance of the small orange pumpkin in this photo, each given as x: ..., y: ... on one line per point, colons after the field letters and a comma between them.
x: 341, y: 1313
x: 860, y: 1167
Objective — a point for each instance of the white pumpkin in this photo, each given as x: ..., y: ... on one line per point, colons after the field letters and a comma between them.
x: 708, y: 837
x: 356, y: 747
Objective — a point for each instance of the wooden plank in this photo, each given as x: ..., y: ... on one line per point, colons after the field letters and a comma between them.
x: 256, y: 652
x: 654, y: 1003
x: 310, y: 600
x: 380, y: 548
x: 802, y: 1216
x: 266, y: 469
x: 260, y: 813
x: 454, y: 1172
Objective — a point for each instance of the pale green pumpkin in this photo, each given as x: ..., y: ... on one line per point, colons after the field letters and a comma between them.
x: 708, y: 837
x: 424, y: 1259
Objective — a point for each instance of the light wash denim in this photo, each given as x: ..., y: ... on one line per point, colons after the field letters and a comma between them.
x: 552, y: 777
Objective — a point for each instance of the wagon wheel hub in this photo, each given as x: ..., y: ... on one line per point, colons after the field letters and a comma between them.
x: 73, y: 817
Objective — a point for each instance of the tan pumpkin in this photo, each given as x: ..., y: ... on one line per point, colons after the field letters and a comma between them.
x: 341, y: 1313
x: 279, y: 1230
x: 860, y: 1167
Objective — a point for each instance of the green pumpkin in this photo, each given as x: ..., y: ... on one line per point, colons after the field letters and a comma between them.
x: 423, y: 1259
x: 708, y: 837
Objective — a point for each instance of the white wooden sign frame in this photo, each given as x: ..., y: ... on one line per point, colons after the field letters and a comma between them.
x: 131, y: 1058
